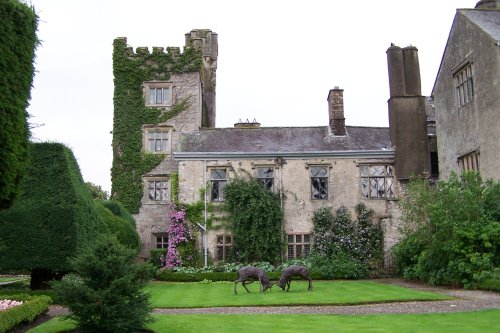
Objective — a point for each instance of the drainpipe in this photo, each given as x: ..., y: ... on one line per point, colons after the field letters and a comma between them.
x: 205, y: 238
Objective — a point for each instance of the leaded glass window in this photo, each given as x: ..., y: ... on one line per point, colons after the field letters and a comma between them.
x: 464, y: 85
x: 377, y: 181
x: 158, y: 190
x: 319, y: 182
x: 218, y: 180
x: 265, y: 176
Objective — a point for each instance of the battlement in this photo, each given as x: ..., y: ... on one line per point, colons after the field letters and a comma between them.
x: 199, y: 39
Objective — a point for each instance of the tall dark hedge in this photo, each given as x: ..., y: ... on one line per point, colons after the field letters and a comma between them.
x: 53, y: 217
x: 123, y: 228
x: 18, y: 42
x: 119, y: 210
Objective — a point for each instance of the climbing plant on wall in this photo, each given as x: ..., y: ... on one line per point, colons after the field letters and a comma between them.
x: 255, y: 217
x: 342, y: 247
x: 182, y: 249
x: 130, y: 71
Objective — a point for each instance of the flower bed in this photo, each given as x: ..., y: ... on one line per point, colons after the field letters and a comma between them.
x: 29, y: 309
x: 8, y: 303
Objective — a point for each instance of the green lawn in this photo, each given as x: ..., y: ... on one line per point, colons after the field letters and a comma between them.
x: 13, y: 278
x: 189, y: 295
x: 462, y: 322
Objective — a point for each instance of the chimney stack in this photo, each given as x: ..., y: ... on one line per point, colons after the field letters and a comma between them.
x: 488, y: 4
x: 336, y: 111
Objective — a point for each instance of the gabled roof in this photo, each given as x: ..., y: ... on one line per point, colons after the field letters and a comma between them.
x: 283, y: 140
x: 488, y: 20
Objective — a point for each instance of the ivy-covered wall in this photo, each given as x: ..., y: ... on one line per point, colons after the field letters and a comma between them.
x: 18, y: 42
x: 131, y: 70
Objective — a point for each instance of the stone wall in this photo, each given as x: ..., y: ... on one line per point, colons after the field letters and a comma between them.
x: 473, y: 126
x: 293, y: 179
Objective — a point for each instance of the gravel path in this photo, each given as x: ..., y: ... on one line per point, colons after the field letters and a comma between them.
x: 464, y: 300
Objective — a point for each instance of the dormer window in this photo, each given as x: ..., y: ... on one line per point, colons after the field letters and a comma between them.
x: 158, y: 93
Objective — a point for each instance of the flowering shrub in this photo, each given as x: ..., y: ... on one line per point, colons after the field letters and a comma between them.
x: 181, y: 241
x: 7, y: 304
x: 344, y: 248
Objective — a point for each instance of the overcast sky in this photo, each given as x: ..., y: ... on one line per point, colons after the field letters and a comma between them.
x: 277, y: 60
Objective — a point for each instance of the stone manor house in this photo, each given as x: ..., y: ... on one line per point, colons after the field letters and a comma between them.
x: 165, y: 143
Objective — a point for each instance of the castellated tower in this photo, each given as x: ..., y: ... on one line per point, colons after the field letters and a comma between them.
x: 206, y: 41
x: 159, y: 94
x: 407, y: 114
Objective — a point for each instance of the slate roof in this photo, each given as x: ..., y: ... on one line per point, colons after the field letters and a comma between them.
x: 284, y: 140
x: 486, y: 19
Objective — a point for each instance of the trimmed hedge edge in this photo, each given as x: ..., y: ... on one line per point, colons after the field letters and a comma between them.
x: 32, y: 307
x: 215, y: 276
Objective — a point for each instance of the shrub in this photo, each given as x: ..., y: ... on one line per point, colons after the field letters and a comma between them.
x: 255, y: 216
x: 156, y: 257
x: 342, y: 248
x: 32, y: 307
x: 17, y: 54
x: 119, y: 210
x: 167, y: 275
x: 123, y: 229
x: 453, y: 236
x: 54, y: 213
x: 107, y: 294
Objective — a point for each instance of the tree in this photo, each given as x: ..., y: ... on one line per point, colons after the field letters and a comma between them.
x: 53, y: 218
x: 107, y: 292
x: 18, y: 42
x: 453, y: 235
x: 255, y: 217
x: 97, y: 191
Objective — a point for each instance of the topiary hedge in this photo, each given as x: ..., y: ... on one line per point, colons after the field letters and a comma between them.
x: 119, y: 210
x: 123, y: 228
x: 53, y: 217
x: 18, y: 42
x: 32, y: 307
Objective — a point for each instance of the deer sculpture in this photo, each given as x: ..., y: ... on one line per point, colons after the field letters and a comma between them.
x: 288, y: 273
x: 249, y: 274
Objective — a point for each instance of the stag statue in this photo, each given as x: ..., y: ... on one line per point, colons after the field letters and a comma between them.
x: 288, y: 273
x: 249, y: 274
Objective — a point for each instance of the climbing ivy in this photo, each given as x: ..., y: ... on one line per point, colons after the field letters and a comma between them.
x: 130, y: 71
x: 255, y: 216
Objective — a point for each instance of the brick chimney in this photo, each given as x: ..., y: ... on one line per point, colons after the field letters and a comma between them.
x: 336, y: 111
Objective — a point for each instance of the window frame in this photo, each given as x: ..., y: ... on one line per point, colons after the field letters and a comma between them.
x: 148, y: 130
x: 228, y: 249
x: 165, y: 194
x: 264, y: 180
x: 302, y: 245
x: 150, y: 86
x: 163, y: 242
x: 463, y: 81
x: 219, y: 182
x: 470, y: 161
x: 388, y: 177
x: 327, y: 182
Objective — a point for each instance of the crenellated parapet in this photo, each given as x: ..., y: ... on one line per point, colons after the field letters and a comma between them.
x: 173, y: 52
